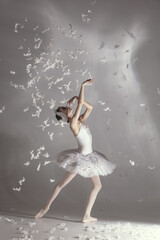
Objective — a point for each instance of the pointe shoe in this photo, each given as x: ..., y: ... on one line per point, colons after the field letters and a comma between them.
x: 41, y: 213
x: 89, y: 219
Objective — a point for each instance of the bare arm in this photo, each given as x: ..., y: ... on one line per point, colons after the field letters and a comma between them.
x: 81, y: 102
x: 88, y: 106
x: 72, y: 100
x: 87, y: 112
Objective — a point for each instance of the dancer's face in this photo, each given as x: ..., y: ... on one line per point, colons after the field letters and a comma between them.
x: 66, y: 110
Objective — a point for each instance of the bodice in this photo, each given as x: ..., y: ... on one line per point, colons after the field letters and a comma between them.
x: 84, y: 139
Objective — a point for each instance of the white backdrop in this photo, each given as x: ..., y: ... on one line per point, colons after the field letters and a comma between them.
x: 47, y: 49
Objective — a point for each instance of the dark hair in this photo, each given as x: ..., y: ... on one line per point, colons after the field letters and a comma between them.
x: 57, y: 116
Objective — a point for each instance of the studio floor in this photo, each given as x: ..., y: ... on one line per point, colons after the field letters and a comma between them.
x: 63, y: 228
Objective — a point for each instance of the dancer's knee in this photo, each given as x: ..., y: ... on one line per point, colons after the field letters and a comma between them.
x: 97, y: 187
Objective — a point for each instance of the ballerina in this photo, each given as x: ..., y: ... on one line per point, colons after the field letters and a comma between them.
x: 83, y: 160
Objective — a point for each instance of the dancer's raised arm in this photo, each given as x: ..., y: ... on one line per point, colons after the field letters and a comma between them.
x: 81, y: 101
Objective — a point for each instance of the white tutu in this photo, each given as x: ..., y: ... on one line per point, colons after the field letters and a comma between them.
x: 84, y: 160
x: 92, y: 164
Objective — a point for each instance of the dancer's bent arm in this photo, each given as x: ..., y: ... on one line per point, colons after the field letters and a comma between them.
x: 88, y: 110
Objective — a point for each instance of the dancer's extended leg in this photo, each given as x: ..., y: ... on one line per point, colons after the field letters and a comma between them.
x: 92, y: 197
x: 62, y: 183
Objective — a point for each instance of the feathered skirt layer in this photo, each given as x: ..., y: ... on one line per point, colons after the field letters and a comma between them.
x: 92, y: 164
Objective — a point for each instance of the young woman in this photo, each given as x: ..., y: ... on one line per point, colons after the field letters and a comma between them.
x: 83, y: 160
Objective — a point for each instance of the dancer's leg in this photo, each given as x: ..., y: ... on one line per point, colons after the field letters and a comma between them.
x: 92, y: 197
x: 62, y: 183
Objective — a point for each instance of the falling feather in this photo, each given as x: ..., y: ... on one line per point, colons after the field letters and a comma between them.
x: 45, y: 30
x: 38, y: 168
x: 21, y: 47
x: 67, y: 86
x: 17, y: 189
x: 132, y: 162
x: 3, y: 108
x: 8, y: 219
x: 12, y: 72
x: 28, y: 68
x: 35, y: 28
x: 58, y: 80
x: 31, y: 224
x: 103, y: 60
x: 38, y: 44
x: 21, y: 181
x: 67, y: 73
x: 16, y: 27
x: 27, y: 163
x: 51, y: 135
x: 46, y: 155
x: 52, y: 103
x: 52, y: 180
x: 28, y: 53
x: 102, y: 103
x: 107, y: 109
x: 84, y: 72
x: 151, y: 167
x: 26, y: 109
x: 142, y: 104
x: 46, y: 162
x: 46, y: 122
x: 64, y: 101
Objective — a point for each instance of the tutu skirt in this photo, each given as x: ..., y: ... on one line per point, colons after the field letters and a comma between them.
x: 92, y: 164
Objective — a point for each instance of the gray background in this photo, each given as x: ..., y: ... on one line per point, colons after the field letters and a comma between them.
x: 47, y: 49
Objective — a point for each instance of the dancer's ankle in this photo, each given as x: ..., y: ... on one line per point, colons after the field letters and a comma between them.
x: 86, y: 215
x: 88, y: 218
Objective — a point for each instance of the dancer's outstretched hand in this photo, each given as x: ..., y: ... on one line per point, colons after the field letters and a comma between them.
x: 88, y: 82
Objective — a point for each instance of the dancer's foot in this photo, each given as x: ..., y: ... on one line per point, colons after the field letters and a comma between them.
x: 41, y: 213
x: 89, y: 219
